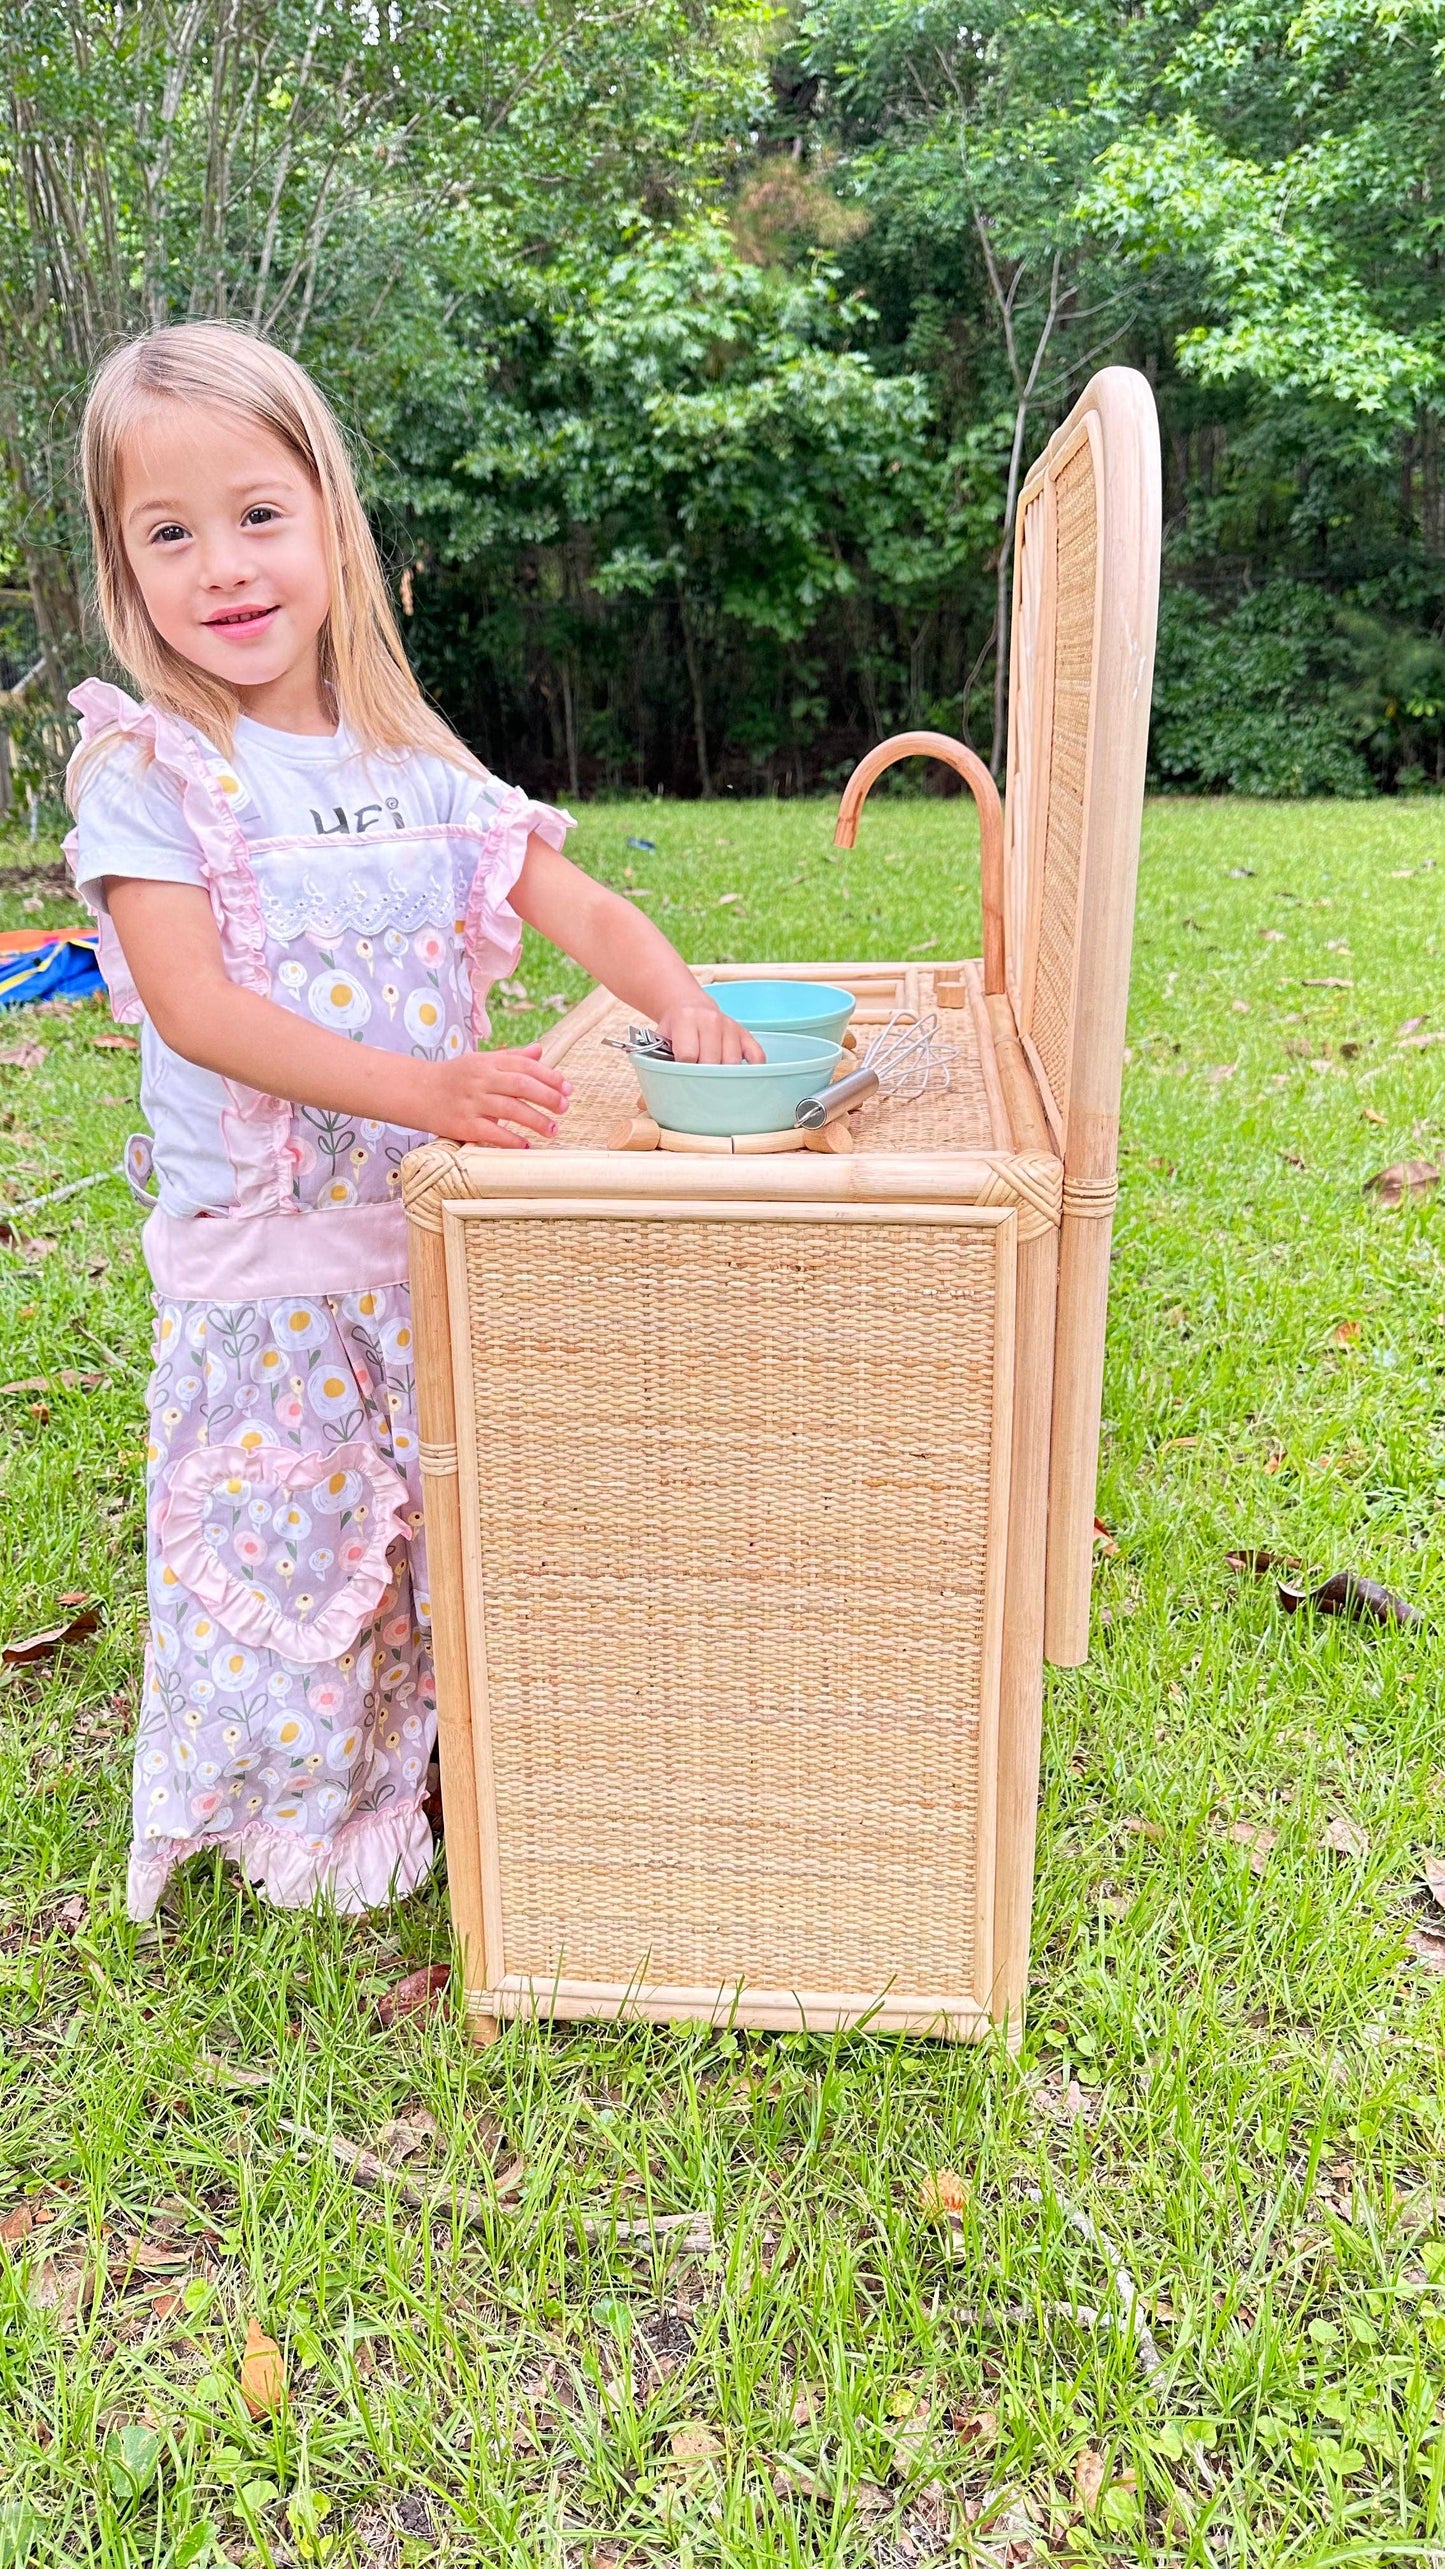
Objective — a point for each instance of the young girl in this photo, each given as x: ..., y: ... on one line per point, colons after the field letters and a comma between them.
x: 306, y: 887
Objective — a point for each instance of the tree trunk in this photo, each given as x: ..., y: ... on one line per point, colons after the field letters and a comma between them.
x: 694, y: 679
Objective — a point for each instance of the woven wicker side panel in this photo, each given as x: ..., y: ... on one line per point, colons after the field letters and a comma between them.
x: 1053, y: 1008
x: 732, y: 1506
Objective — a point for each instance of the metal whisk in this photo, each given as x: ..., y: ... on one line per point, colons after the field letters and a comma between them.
x: 905, y: 1059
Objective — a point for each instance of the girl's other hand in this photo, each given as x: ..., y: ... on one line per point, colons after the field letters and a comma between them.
x: 698, y: 1031
x: 475, y: 1098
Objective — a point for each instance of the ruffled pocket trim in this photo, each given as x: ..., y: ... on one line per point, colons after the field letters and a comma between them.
x: 493, y: 930
x: 246, y: 1614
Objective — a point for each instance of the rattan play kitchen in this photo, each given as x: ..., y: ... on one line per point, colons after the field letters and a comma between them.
x: 760, y: 1467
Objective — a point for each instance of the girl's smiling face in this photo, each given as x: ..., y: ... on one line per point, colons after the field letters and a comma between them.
x: 223, y: 533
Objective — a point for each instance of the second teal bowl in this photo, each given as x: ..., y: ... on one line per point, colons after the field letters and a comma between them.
x: 720, y: 1098
x: 786, y: 1007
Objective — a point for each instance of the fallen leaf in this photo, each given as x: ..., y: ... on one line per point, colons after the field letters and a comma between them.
x: 942, y: 2194
x: 17, y: 2224
x: 1135, y: 1828
x: 694, y: 2442
x: 509, y: 2180
x: 979, y: 2427
x: 1433, y: 1868
x: 1403, y: 1177
x: 1260, y: 1841
x: 1258, y: 1565
x: 724, y: 898
x: 1372, y: 1115
x: 1363, y: 1600
x: 419, y: 1994
x: 64, y: 2285
x: 1419, y: 1043
x: 263, y: 2378
x: 1103, y: 1540
x: 1272, y: 936
x: 114, y: 1042
x: 23, y: 1056
x: 408, y: 2133
x: 1331, y: 982
x: 1411, y: 1026
x: 37, y: 1646
x: 1427, y: 1944
x: 1088, y: 2478
x: 1343, y: 1837
x: 166, y: 2304
x: 1347, y: 1333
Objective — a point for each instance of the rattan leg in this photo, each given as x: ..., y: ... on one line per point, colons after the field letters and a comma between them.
x: 1074, y: 1461
x: 1021, y: 1679
x: 436, y: 1413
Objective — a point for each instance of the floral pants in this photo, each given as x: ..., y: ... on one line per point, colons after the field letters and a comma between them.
x: 289, y: 1708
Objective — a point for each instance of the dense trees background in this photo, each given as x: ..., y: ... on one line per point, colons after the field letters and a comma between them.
x: 695, y: 347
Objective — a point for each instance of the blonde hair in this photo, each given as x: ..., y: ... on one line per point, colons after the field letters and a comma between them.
x: 208, y: 364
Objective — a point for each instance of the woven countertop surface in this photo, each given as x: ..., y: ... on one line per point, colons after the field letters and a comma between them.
x: 604, y: 1088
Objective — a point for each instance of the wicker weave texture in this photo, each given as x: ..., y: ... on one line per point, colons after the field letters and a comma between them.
x: 733, y: 1502
x: 1052, y: 1024
x: 1021, y: 823
x: 605, y: 1090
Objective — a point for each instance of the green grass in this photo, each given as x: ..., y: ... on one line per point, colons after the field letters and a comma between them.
x: 1232, y: 2066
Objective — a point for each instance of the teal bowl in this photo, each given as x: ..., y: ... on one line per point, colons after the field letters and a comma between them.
x: 723, y: 1098
x: 786, y: 1007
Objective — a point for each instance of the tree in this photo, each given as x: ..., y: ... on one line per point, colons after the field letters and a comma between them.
x: 344, y: 181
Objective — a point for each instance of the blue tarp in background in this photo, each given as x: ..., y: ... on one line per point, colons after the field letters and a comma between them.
x: 61, y: 968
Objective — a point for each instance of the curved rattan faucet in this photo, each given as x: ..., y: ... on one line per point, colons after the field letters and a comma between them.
x: 938, y: 744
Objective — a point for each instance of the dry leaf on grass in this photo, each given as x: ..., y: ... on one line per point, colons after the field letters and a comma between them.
x: 725, y: 899
x: 1390, y: 1186
x: 65, y: 2286
x: 1343, y: 1837
x: 1419, y: 1043
x: 114, y: 1042
x: 1433, y: 1869
x: 23, y: 1056
x: 67, y: 1380
x: 1345, y: 1593
x: 1089, y: 2468
x: 1372, y: 1115
x: 1260, y: 1841
x: 1134, y: 1827
x: 419, y: 1994
x: 1103, y: 1540
x: 1258, y: 1565
x: 943, y: 2194
x: 17, y: 2224
x: 38, y: 1646
x: 263, y: 2376
x: 1346, y: 1333
x: 1427, y: 1945
x: 405, y: 2135
x: 694, y: 2442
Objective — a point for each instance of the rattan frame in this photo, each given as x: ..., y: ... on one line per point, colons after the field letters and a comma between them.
x: 1040, y: 1187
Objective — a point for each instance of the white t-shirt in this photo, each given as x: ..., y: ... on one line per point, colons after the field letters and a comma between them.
x: 293, y: 785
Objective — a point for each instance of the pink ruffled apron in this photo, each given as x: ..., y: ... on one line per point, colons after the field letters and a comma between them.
x: 289, y: 1708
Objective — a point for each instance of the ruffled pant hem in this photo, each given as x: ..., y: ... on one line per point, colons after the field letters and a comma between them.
x: 375, y: 1858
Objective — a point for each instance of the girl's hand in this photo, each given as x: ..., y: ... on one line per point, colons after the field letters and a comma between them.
x: 698, y: 1031
x: 468, y: 1098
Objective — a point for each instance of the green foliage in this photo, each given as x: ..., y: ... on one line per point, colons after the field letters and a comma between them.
x: 694, y: 347
x: 1254, y: 702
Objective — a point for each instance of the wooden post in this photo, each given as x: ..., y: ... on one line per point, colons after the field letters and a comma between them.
x: 437, y: 1422
x: 1021, y: 1681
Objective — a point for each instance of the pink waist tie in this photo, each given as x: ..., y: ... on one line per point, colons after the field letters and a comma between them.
x: 340, y: 1250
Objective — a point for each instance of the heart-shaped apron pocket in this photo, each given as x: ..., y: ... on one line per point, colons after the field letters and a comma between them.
x: 289, y: 1551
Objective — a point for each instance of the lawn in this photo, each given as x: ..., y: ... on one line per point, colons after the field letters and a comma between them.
x: 1231, y: 2079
